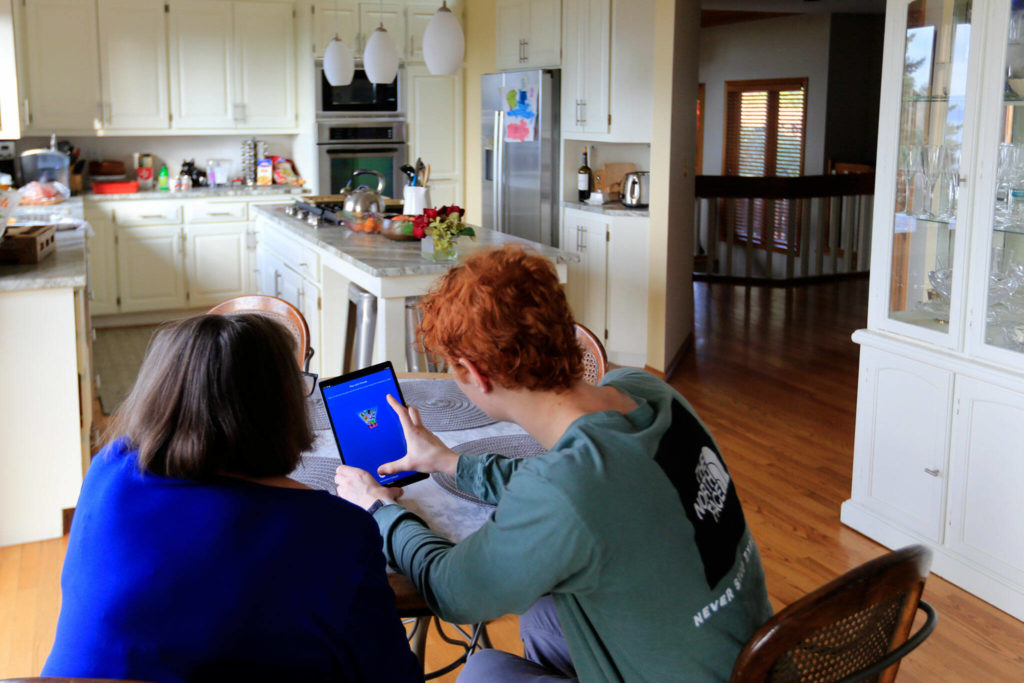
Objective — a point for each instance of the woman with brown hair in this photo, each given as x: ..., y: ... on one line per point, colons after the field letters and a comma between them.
x: 193, y: 556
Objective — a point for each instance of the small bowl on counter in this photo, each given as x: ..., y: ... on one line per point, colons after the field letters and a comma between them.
x: 399, y: 228
x: 368, y: 222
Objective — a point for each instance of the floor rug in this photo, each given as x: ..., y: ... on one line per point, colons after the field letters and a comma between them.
x: 117, y: 356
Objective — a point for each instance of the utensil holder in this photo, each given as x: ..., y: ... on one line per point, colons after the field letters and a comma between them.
x: 417, y: 198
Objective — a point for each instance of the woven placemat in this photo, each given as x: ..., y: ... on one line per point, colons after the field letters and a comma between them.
x: 514, y: 446
x: 442, y: 405
x: 317, y: 473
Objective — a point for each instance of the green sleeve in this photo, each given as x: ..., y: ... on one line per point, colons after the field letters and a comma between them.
x: 534, y: 544
x: 485, y: 476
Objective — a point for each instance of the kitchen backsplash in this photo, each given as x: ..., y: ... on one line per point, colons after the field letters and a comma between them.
x: 600, y: 153
x: 172, y: 150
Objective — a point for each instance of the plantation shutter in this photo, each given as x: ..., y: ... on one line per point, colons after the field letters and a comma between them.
x: 764, y: 136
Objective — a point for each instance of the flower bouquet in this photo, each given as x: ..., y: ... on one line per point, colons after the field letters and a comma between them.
x: 444, y: 226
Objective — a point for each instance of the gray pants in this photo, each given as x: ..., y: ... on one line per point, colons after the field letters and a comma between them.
x: 547, y: 654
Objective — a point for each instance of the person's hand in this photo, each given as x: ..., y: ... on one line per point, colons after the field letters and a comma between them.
x: 360, y: 488
x: 424, y: 451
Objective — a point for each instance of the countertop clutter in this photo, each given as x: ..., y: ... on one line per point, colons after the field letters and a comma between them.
x: 612, y: 209
x: 66, y: 267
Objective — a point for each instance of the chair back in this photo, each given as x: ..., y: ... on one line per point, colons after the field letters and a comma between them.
x: 280, y: 310
x: 595, y: 360
x: 853, y: 628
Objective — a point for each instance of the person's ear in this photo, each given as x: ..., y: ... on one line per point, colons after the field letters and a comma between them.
x: 475, y: 376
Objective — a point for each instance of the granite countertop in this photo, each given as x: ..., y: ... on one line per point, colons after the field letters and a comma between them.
x: 613, y: 209
x: 382, y: 257
x: 201, y: 193
x: 66, y: 267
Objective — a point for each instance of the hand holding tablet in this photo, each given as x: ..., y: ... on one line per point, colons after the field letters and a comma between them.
x: 424, y: 451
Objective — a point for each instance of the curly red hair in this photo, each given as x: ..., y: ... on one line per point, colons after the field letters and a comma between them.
x: 505, y: 311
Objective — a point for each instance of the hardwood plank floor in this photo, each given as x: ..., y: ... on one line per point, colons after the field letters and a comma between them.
x: 774, y: 375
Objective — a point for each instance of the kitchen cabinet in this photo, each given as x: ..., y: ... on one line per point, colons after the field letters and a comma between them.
x: 372, y: 15
x: 10, y: 117
x: 335, y: 18
x: 232, y: 65
x: 529, y: 34
x: 150, y: 267
x: 102, y: 264
x: 265, y: 57
x: 607, y: 288
x: 133, y: 64
x: 435, y: 130
x: 416, y: 20
x: 59, y: 35
x: 942, y: 359
x: 202, y: 57
x: 586, y: 63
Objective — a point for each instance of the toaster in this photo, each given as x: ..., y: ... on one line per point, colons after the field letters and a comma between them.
x: 636, y: 189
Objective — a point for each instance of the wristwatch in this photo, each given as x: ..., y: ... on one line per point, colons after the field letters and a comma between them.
x: 377, y: 505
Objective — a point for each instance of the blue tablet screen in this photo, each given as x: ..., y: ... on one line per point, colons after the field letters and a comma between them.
x: 368, y: 431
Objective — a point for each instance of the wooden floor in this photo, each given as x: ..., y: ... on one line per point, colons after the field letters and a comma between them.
x: 774, y: 376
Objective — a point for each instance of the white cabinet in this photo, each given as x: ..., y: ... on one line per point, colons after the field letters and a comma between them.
x: 102, y: 264
x: 216, y: 262
x: 607, y: 289
x: 133, y: 64
x: 335, y: 18
x: 64, y: 80
x: 416, y: 20
x: 372, y: 15
x: 586, y: 61
x: 937, y: 456
x: 586, y: 234
x: 265, y: 58
x: 529, y: 34
x: 435, y: 130
x: 149, y: 267
x: 202, y: 64
x: 280, y: 276
x: 10, y: 117
x: 232, y: 65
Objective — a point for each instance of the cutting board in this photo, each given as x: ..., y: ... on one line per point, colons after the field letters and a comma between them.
x: 608, y: 178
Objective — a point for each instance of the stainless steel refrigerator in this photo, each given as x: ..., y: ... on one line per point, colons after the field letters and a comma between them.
x: 519, y: 125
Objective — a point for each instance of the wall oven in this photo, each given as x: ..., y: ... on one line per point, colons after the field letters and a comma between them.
x: 344, y: 147
x: 360, y: 98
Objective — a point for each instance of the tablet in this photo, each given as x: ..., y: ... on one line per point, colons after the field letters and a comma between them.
x: 366, y: 428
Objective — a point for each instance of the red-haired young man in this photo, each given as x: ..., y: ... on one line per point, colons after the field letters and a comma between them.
x: 623, y: 547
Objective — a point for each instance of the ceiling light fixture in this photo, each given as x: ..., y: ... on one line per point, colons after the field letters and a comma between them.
x: 339, y: 65
x: 380, y: 59
x: 444, y: 44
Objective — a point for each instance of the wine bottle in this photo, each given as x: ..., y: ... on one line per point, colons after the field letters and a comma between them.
x: 583, y: 179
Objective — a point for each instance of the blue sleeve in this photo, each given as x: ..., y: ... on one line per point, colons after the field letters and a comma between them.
x: 375, y: 639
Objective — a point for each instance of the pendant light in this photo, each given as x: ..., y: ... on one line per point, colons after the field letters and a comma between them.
x: 444, y: 44
x: 380, y: 58
x: 339, y: 65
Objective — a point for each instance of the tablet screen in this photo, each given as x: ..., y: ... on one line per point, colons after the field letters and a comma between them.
x: 367, y: 430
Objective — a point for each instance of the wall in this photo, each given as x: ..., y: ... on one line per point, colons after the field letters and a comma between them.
x: 784, y: 47
x: 481, y: 34
x: 670, y: 298
x: 854, y: 87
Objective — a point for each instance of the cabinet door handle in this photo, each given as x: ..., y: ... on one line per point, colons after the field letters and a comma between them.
x: 526, y: 51
x: 583, y: 231
x: 931, y: 471
x: 27, y: 113
x: 277, y: 283
x: 583, y: 112
x: 302, y: 299
x: 221, y: 213
x: 153, y: 215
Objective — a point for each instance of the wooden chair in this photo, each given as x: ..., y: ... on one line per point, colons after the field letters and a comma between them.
x: 595, y: 360
x: 851, y: 629
x: 279, y: 309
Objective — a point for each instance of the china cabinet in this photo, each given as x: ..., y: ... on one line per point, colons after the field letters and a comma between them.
x: 940, y: 408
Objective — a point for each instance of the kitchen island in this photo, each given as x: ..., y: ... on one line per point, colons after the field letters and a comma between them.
x: 326, y: 260
x: 45, y: 391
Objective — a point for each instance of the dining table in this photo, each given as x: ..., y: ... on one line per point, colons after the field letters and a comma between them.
x: 454, y: 514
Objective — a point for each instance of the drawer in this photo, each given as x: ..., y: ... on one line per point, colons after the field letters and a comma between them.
x: 302, y: 259
x: 200, y: 211
x: 147, y: 213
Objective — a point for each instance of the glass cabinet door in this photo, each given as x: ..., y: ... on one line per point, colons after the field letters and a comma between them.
x: 931, y: 127
x: 1004, y: 310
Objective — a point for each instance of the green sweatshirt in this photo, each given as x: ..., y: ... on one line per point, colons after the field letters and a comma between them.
x: 631, y: 521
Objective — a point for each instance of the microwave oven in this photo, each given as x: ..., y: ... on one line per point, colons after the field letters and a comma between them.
x: 359, y: 98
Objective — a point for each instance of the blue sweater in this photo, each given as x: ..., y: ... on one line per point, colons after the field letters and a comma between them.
x: 171, y: 580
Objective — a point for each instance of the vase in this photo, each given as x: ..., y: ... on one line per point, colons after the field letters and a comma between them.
x: 429, y: 250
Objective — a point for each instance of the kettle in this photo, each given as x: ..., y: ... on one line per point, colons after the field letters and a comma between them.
x: 362, y: 199
x: 636, y: 189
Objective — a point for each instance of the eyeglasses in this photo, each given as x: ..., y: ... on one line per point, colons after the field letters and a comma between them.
x: 309, y: 382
